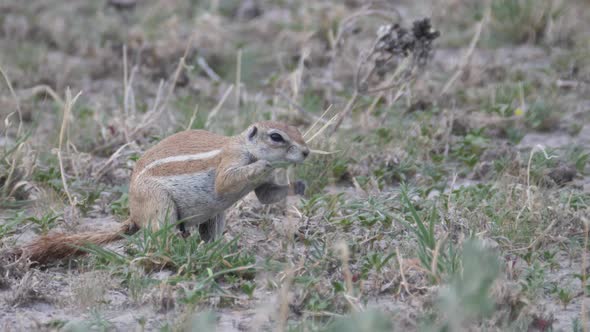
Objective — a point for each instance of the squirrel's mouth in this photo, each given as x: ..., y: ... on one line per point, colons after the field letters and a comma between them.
x: 251, y: 158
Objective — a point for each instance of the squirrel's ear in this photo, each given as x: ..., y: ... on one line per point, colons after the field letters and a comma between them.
x: 252, y: 132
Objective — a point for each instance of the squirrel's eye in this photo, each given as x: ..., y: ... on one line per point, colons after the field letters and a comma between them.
x: 276, y: 137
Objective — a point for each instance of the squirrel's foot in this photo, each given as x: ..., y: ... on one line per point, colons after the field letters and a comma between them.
x: 299, y: 187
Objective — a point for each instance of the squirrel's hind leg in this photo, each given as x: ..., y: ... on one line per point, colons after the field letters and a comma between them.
x: 212, y: 228
x: 152, y: 207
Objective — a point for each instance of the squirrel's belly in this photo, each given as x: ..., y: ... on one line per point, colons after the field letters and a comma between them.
x: 195, y: 197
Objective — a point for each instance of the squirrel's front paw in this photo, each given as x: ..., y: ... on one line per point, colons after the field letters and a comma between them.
x: 299, y: 187
x: 260, y: 170
x: 264, y: 165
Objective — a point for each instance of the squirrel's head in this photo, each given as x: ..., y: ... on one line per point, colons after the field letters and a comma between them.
x: 275, y: 142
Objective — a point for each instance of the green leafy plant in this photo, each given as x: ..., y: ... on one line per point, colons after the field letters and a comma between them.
x: 49, y: 176
x: 470, y: 147
x: 375, y: 261
x: 12, y: 173
x: 9, y: 227
x: 120, y: 207
x: 45, y: 222
x: 321, y: 170
x: 422, y: 227
x: 533, y: 280
x: 520, y: 21
x: 542, y: 115
x: 468, y: 294
x: 248, y: 288
x: 91, y: 198
x: 367, y: 321
x: 191, y: 258
x: 579, y: 157
x: 565, y: 296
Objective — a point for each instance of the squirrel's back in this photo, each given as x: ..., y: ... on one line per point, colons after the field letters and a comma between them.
x: 186, y: 148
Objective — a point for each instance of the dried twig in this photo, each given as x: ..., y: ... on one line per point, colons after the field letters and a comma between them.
x: 568, y: 84
x: 345, y: 112
x: 335, y: 41
x: 529, y: 199
x: 102, y: 170
x: 320, y: 119
x: 13, y: 163
x: 538, y: 239
x: 66, y: 114
x: 467, y: 56
x: 284, y: 299
x: 38, y: 89
x: 128, y: 97
x: 326, y: 125
x: 159, y: 106
x: 393, y: 43
x: 193, y: 117
x: 401, y: 271
x: 16, y: 101
x: 300, y: 109
x: 324, y: 152
x: 208, y: 70
x: 344, y: 24
x: 216, y: 109
x: 238, y: 78
x: 344, y: 258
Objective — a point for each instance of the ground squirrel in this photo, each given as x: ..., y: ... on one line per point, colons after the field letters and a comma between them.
x: 193, y: 176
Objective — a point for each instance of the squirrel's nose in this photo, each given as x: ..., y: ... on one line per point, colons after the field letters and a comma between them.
x: 305, y: 152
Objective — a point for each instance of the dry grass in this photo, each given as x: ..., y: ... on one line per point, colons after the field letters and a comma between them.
x: 425, y: 168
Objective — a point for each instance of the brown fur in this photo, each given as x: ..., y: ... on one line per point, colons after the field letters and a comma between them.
x: 183, y: 167
x: 151, y: 203
x: 293, y: 133
x: 182, y: 143
x: 232, y: 179
x: 59, y: 246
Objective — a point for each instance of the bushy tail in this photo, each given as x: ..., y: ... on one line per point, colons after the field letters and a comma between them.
x: 52, y: 247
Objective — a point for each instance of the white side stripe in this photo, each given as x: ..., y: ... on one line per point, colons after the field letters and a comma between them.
x: 186, y: 157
